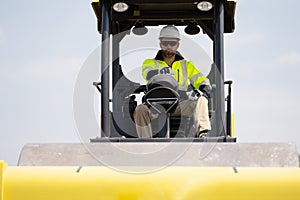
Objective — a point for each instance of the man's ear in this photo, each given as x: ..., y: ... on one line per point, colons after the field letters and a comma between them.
x: 160, y: 45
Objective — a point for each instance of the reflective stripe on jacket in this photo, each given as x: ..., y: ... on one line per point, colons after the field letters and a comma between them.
x: 184, y: 72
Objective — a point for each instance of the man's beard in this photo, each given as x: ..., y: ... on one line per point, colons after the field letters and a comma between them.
x: 168, y: 53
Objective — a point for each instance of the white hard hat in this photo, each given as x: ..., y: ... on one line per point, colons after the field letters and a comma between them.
x: 169, y: 31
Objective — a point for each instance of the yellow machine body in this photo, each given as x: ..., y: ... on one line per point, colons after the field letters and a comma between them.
x: 170, y: 183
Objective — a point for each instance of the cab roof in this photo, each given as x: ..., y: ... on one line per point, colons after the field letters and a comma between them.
x: 162, y: 12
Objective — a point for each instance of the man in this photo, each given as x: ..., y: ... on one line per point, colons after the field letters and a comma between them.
x: 169, y: 61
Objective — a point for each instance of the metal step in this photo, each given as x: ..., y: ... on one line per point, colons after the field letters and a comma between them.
x: 161, y: 154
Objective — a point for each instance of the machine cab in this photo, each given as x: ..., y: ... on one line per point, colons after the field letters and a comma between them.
x: 129, y: 30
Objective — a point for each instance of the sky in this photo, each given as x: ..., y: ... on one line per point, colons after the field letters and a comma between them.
x: 46, y: 48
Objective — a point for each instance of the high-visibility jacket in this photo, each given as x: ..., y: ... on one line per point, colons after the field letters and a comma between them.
x: 184, y: 71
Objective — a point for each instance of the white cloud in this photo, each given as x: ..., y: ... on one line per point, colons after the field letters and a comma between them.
x: 54, y: 66
x: 267, y: 114
x: 249, y: 38
x: 242, y: 2
x: 289, y: 60
x: 2, y: 37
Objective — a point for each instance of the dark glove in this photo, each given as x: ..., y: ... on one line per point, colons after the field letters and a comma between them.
x: 151, y: 73
x: 194, y: 94
x: 206, y: 90
x: 165, y: 70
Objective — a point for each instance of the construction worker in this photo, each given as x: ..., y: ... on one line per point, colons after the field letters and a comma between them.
x: 169, y: 61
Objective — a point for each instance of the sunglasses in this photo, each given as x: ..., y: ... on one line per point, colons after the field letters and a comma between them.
x: 171, y: 43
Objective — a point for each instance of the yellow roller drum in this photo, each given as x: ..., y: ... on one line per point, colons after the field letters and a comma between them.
x: 171, y: 183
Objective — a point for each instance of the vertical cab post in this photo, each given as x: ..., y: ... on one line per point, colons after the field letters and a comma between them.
x: 218, y: 129
x: 105, y: 119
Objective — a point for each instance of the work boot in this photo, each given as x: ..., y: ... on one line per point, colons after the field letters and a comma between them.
x: 203, y: 134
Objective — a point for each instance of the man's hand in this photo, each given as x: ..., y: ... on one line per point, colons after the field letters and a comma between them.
x: 151, y: 74
x: 206, y: 90
x: 165, y: 70
x: 194, y: 95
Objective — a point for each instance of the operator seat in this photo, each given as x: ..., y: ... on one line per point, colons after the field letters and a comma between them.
x: 163, y: 98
